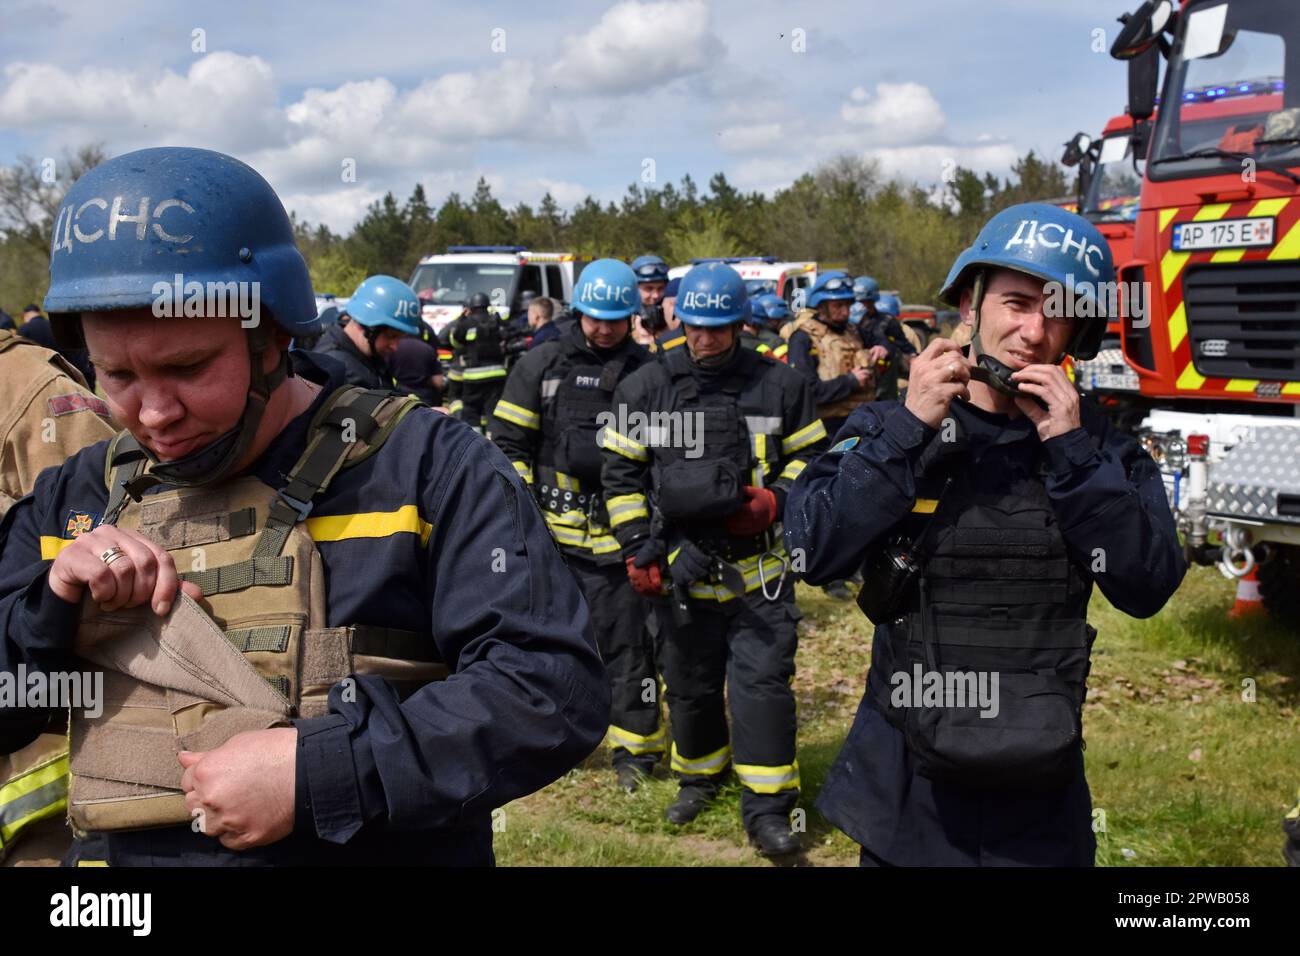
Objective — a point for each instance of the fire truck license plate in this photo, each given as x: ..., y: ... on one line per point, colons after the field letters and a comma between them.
x: 1223, y: 234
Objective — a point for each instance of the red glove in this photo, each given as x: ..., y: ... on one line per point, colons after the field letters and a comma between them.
x: 756, y: 514
x: 645, y: 581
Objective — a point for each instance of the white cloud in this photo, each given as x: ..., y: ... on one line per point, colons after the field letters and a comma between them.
x: 900, y: 113
x: 224, y: 99
x: 638, y: 46
x: 504, y: 103
x: 751, y: 138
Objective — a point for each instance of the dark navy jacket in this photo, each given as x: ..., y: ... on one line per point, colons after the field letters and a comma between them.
x: 381, y: 780
x: 366, y: 371
x: 1107, y: 494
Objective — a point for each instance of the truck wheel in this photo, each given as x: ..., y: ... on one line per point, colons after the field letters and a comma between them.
x: 1279, y: 585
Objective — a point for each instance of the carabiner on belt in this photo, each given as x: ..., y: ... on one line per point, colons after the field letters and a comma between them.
x: 762, y: 573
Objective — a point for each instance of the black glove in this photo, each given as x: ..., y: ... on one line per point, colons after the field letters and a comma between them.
x: 690, y: 564
x: 644, y: 552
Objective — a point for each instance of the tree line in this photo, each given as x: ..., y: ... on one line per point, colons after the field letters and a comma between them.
x: 843, y: 212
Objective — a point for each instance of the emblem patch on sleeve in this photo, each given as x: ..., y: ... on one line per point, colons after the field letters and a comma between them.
x: 79, y: 523
x: 76, y: 402
x: 845, y: 445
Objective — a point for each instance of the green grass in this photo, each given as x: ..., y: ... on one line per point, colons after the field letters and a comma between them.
x: 1183, y: 771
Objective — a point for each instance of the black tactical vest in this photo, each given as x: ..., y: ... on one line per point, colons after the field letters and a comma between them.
x: 480, y: 339
x: 569, y: 426
x: 697, y: 487
x: 997, y: 595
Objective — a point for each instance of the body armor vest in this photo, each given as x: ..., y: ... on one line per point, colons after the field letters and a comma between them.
x: 736, y: 442
x: 838, y: 353
x: 260, y: 655
x: 480, y: 339
x: 997, y: 595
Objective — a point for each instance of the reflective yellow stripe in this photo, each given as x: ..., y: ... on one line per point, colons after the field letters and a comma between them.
x: 510, y: 412
x: 625, y: 508
x: 780, y: 351
x: 50, y: 547
x: 625, y: 446
x: 808, y: 435
x: 1240, y: 385
x: 1166, y: 215
x: 92, y: 863
x: 52, y: 775
x: 1190, y: 378
x: 793, y: 470
x: 481, y: 372
x: 566, y: 482
x: 708, y: 765
x: 455, y: 407
x: 768, y: 779
x: 370, y: 524
x: 1177, y: 326
x: 748, y: 568
x: 1289, y: 247
x: 637, y: 744
x: 925, y: 506
x: 571, y: 529
x: 525, y: 470
x: 672, y: 343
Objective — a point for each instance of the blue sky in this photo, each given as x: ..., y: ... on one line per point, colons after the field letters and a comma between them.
x: 577, y: 97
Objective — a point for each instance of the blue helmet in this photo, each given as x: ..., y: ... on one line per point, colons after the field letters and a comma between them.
x: 866, y: 289
x: 711, y: 294
x: 606, y: 290
x: 141, y: 219
x: 857, y: 311
x: 145, y: 229
x: 1051, y: 244
x: 650, y: 269
x: 833, y: 286
x: 770, y: 307
x: 889, y: 305
x: 385, y: 302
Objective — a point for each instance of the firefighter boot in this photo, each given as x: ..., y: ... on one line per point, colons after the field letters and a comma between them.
x: 771, y: 835
x: 691, y: 799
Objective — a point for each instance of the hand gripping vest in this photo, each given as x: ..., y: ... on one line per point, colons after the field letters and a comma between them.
x: 262, y: 653
x: 838, y: 353
x: 998, y: 594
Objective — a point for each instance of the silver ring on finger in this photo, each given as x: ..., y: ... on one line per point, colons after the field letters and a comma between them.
x: 109, y: 555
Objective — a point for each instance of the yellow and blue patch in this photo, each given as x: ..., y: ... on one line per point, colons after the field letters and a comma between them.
x: 845, y: 445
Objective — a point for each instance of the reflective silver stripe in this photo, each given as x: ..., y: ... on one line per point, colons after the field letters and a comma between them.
x: 52, y: 795
x: 763, y: 424
x: 550, y: 386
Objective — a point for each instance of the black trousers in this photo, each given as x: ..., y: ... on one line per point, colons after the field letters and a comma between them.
x: 478, y: 399
x: 748, y: 645
x: 618, y: 618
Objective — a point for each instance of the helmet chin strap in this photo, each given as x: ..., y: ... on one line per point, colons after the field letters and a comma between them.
x: 218, y: 458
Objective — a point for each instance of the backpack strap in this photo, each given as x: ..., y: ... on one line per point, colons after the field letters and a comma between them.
x: 350, y: 427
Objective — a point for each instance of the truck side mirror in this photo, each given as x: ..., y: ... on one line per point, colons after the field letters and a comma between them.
x: 1143, y: 74
x: 1142, y: 28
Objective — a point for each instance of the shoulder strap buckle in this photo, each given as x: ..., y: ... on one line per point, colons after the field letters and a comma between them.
x: 301, y: 508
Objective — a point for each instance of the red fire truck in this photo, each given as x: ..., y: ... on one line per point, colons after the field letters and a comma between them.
x: 1217, y: 246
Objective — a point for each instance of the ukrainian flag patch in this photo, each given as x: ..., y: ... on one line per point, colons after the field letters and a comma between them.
x: 844, y: 445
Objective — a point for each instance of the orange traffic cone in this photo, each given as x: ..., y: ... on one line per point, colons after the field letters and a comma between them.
x: 1248, y: 601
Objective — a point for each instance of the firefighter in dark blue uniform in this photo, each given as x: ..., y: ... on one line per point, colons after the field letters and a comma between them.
x: 706, y: 442
x: 982, y: 511
x: 402, y: 540
x: 382, y: 312
x: 547, y: 423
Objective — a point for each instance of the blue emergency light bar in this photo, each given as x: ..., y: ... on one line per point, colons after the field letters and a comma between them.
x: 502, y: 249
x: 768, y: 259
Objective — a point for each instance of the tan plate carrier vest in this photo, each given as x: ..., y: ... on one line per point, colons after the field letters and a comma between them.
x: 838, y: 353
x: 260, y: 655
